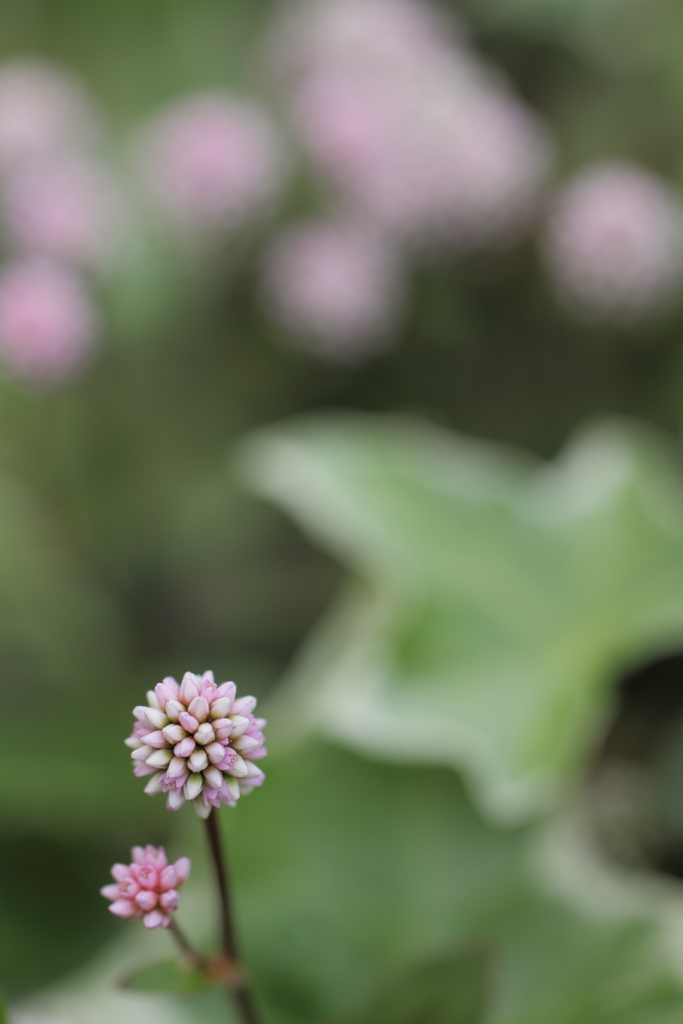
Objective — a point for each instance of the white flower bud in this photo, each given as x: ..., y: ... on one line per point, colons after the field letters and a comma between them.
x: 153, y: 700
x: 239, y: 725
x: 215, y: 752
x: 193, y: 786
x: 176, y: 767
x: 245, y: 744
x: 157, y: 719
x: 198, y: 761
x: 204, y: 734
x: 132, y: 742
x: 154, y: 785
x: 174, y: 733
x: 174, y: 710
x: 233, y: 787
x: 175, y: 800
x: 213, y: 777
x: 201, y: 809
x: 160, y: 758
x: 142, y: 753
x: 220, y: 708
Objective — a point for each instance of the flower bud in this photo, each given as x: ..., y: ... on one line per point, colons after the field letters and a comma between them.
x: 189, y: 722
x: 239, y: 725
x: 155, y: 739
x: 245, y: 744
x: 244, y: 706
x: 215, y: 752
x: 220, y: 708
x: 197, y: 761
x: 174, y: 710
x: 157, y: 719
x: 204, y: 733
x: 199, y: 707
x: 174, y: 733
x: 146, y: 899
x: 142, y: 753
x: 188, y: 688
x: 175, y: 800
x: 176, y: 767
x: 213, y: 776
x: 154, y: 785
x: 160, y: 758
x: 193, y: 786
x: 222, y: 728
x: 185, y: 747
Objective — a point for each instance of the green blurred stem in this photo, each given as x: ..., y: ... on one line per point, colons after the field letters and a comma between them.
x: 184, y: 944
x: 237, y: 986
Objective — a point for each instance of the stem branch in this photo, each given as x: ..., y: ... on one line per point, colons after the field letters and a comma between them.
x: 237, y: 986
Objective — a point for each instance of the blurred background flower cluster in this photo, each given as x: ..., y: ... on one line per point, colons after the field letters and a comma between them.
x: 341, y: 353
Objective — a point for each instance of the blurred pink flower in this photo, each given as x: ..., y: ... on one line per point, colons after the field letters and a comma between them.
x: 48, y: 322
x: 198, y: 742
x: 66, y: 206
x: 441, y: 151
x: 210, y: 160
x: 394, y: 34
x: 42, y: 109
x: 613, y: 244
x: 334, y: 284
x: 148, y: 887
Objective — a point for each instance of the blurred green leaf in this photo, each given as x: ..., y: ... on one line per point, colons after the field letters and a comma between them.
x: 167, y: 976
x: 3, y: 1015
x: 495, y: 599
x: 377, y: 866
x: 452, y: 990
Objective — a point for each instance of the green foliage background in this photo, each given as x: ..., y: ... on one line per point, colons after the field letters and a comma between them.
x: 472, y: 609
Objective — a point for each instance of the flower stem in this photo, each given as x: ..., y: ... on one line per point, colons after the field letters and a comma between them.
x: 237, y: 985
x: 186, y: 948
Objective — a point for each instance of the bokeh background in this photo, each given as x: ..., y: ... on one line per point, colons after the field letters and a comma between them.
x: 341, y: 351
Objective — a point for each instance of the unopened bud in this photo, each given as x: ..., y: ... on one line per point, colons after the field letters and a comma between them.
x: 204, y: 733
x: 239, y: 725
x: 160, y: 758
x: 174, y: 709
x: 199, y: 707
x: 197, y: 761
x: 215, y: 752
x: 213, y: 777
x: 193, y: 786
x: 157, y: 719
x: 154, y: 785
x: 174, y: 733
x: 220, y: 708
x: 142, y: 753
x: 176, y: 767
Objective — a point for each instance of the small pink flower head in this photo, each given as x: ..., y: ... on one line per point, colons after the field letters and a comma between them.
x: 198, y: 743
x: 148, y: 887
x: 613, y: 244
x: 211, y: 161
x: 334, y: 284
x: 395, y: 34
x: 442, y: 152
x: 42, y: 109
x: 67, y: 207
x: 48, y: 322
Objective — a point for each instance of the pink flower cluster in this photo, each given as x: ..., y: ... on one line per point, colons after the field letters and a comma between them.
x: 198, y: 742
x: 413, y: 127
x: 336, y: 285
x: 148, y: 887
x: 613, y: 243
x: 59, y: 213
x: 210, y: 161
